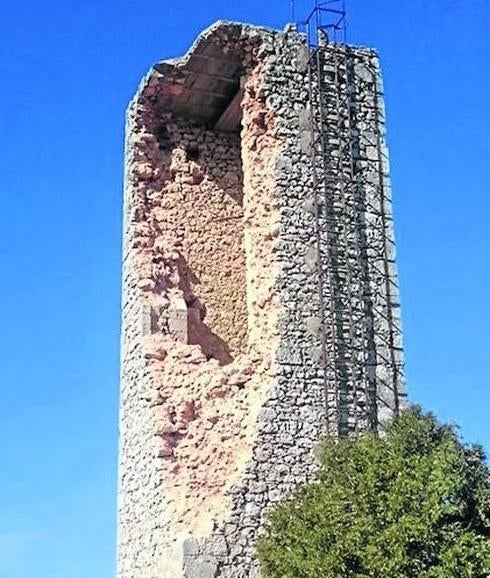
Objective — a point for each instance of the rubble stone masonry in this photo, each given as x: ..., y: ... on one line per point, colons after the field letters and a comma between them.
x: 223, y: 370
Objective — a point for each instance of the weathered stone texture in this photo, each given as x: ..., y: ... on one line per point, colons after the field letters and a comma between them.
x: 226, y: 244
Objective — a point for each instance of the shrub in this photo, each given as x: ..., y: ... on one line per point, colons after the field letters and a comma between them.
x: 413, y: 503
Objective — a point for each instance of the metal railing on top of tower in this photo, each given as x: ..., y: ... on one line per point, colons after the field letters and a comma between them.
x: 325, y: 23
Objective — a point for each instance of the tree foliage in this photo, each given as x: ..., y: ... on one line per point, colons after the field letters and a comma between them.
x: 413, y: 503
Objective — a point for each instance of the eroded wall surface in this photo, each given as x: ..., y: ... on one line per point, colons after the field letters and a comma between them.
x: 223, y: 385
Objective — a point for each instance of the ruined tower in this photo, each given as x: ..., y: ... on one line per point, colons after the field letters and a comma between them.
x: 260, y: 301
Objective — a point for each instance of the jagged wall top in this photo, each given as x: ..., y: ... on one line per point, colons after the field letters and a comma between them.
x: 201, y: 84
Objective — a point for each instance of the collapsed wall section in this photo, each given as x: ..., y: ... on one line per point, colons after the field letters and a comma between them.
x: 201, y: 213
x: 200, y: 311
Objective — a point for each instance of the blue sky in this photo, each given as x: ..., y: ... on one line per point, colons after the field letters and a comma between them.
x: 68, y: 70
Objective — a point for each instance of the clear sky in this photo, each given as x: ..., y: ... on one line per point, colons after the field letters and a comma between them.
x: 67, y: 71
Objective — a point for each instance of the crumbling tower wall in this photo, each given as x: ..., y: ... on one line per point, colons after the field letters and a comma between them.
x: 259, y: 294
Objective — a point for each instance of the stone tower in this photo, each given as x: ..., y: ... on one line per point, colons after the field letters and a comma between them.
x: 260, y: 302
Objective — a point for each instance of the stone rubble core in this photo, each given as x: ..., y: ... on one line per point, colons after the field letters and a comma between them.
x: 223, y: 375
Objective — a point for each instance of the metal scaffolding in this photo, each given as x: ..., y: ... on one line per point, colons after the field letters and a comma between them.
x: 362, y: 364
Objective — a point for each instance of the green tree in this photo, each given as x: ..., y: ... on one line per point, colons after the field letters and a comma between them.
x: 414, y: 503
